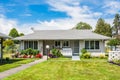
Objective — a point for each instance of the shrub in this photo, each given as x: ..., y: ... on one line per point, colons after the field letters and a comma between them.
x: 7, y: 59
x: 86, y: 55
x: 29, y: 51
x: 116, y: 61
x: 35, y: 52
x: 25, y: 56
x: 22, y: 52
x: 56, y: 53
x: 51, y: 55
x: 83, y: 51
x: 102, y: 56
x: 107, y: 54
x: 39, y: 55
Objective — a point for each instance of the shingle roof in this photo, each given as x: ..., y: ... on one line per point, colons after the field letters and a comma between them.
x: 4, y: 36
x: 62, y: 35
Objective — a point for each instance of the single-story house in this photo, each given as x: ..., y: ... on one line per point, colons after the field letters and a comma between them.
x: 2, y: 37
x: 70, y: 42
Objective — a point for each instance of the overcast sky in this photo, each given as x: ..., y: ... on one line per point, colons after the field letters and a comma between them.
x: 54, y: 14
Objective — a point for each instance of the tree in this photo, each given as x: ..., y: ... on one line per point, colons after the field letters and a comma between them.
x: 8, y: 42
x: 113, y: 42
x: 116, y: 24
x: 82, y: 25
x: 21, y: 34
x: 103, y: 28
x: 13, y: 33
x: 9, y: 45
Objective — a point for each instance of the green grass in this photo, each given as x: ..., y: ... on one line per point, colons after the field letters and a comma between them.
x: 86, y: 69
x: 14, y: 63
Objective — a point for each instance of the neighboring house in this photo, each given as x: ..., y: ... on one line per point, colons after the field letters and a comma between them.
x: 2, y: 37
x: 70, y: 42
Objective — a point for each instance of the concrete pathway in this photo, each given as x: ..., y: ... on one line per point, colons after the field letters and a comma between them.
x: 17, y: 69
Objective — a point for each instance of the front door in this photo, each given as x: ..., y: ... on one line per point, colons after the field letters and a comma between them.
x: 76, y: 48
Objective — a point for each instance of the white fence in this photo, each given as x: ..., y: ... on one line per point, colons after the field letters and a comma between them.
x: 114, y: 55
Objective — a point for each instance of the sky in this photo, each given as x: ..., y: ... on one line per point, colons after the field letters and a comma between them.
x: 54, y: 14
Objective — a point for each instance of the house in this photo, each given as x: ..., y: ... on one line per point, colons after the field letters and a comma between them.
x: 70, y: 42
x: 2, y: 37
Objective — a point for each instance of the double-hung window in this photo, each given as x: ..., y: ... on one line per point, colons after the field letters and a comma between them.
x: 57, y: 44
x: 31, y: 44
x: 65, y: 44
x: 92, y: 45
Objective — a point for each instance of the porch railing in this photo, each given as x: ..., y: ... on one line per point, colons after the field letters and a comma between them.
x: 66, y: 51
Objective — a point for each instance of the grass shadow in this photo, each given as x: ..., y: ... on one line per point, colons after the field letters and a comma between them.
x: 4, y: 61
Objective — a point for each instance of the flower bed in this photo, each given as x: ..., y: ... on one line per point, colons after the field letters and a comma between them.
x: 29, y: 53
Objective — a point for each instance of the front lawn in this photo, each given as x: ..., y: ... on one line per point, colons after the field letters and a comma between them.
x: 86, y: 69
x: 12, y: 63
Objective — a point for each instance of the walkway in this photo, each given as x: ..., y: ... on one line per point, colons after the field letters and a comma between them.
x: 24, y: 66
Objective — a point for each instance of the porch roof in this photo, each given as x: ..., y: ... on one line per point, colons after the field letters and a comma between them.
x: 62, y: 35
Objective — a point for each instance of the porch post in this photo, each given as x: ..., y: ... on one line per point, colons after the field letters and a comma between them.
x: 1, y: 56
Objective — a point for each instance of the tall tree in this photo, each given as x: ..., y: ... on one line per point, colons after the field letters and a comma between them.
x: 103, y: 28
x: 116, y: 24
x: 82, y: 25
x: 13, y: 33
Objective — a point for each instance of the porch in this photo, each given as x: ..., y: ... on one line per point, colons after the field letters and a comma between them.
x: 68, y: 48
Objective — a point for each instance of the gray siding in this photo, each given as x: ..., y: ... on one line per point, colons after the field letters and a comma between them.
x: 94, y: 51
x: 42, y: 44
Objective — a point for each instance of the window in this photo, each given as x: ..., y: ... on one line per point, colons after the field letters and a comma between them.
x: 86, y: 44
x: 30, y: 44
x: 57, y: 44
x: 91, y: 44
x: 35, y: 45
x: 66, y: 44
x: 96, y: 44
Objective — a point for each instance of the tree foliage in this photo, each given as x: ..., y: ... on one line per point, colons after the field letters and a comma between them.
x: 13, y: 33
x: 82, y: 25
x: 113, y: 42
x: 116, y: 23
x: 103, y: 28
x: 8, y: 42
x: 21, y: 34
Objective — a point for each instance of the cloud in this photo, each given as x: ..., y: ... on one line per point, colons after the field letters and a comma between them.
x: 26, y: 14
x: 74, y: 10
x: 6, y: 24
x: 112, y: 7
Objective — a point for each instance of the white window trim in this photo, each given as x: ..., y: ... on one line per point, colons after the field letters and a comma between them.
x: 68, y: 44
x: 27, y: 46
x: 61, y: 44
x: 94, y: 45
x: 57, y: 46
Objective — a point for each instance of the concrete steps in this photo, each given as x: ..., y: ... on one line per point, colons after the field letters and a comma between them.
x: 75, y: 58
